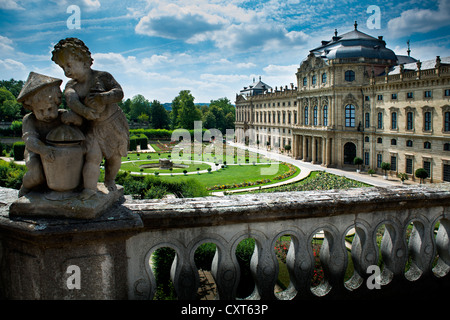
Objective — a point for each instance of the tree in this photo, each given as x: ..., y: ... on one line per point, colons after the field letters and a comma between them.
x: 223, y: 113
x: 422, y: 174
x: 126, y: 107
x: 139, y: 105
x: 385, y: 166
x: 10, y: 109
x: 159, y: 115
x: 188, y: 113
x: 358, y: 161
x: 13, y: 86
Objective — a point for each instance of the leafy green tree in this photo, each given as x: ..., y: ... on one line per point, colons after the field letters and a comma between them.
x: 139, y: 105
x: 422, y: 174
x: 10, y: 109
x: 223, y: 113
x: 159, y: 115
x: 126, y: 107
x: 188, y: 112
x: 13, y: 86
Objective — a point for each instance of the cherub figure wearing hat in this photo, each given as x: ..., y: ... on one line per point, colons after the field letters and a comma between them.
x: 42, y: 96
x: 94, y: 95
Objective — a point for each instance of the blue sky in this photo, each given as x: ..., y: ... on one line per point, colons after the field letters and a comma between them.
x: 212, y: 47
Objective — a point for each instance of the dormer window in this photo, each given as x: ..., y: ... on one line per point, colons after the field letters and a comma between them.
x: 305, y: 81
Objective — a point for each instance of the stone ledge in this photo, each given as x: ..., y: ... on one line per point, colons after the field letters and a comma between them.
x: 210, y: 211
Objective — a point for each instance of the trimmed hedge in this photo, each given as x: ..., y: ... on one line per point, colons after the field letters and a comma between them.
x: 19, y: 150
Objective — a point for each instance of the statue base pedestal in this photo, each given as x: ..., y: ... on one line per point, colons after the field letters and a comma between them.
x: 65, y: 204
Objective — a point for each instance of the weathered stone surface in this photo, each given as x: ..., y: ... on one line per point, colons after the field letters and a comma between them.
x: 65, y: 204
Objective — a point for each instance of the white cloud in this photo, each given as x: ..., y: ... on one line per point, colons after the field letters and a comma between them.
x: 420, y: 20
x: 5, y: 45
x: 12, y: 69
x: 10, y: 5
x: 92, y: 4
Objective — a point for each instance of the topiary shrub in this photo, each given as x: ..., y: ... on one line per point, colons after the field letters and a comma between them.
x: 19, y: 150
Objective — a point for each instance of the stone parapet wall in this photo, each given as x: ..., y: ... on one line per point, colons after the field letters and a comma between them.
x: 113, y: 251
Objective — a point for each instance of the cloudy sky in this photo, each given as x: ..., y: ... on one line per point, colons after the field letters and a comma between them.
x: 212, y: 47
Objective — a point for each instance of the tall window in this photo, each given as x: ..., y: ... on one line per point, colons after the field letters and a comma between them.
x: 315, y: 115
x: 349, y: 75
x: 379, y: 160
x: 409, y: 165
x: 427, y: 167
x: 366, y: 158
x: 409, y: 121
x: 427, y: 121
x: 324, y: 77
x: 367, y: 120
x: 447, y: 121
x: 306, y: 116
x: 305, y: 81
x: 350, y: 115
x: 325, y: 116
x: 394, y: 120
x: 393, y: 163
x: 380, y: 120
x: 314, y: 79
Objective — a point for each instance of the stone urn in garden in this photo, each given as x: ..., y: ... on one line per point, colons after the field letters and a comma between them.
x: 65, y: 171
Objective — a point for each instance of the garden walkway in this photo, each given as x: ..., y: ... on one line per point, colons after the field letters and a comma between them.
x: 307, y: 167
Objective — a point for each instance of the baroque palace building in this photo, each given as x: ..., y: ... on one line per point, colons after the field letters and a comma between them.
x: 355, y: 98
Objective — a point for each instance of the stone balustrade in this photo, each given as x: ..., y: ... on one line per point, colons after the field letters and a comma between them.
x: 113, y: 252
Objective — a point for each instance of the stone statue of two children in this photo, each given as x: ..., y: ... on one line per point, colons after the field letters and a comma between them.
x: 94, y: 120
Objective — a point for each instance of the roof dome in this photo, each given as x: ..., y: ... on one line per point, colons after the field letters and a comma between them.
x: 355, y: 44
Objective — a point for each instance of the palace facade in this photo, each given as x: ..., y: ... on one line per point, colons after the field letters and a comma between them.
x: 355, y: 98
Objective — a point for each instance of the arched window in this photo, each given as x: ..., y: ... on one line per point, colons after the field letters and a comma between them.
x: 315, y: 116
x: 393, y: 142
x: 409, y: 121
x: 427, y: 121
x: 325, y: 116
x: 349, y: 75
x: 350, y: 116
x: 409, y: 143
x: 427, y: 145
x: 306, y: 116
x: 314, y: 79
x: 447, y: 121
x: 394, y: 120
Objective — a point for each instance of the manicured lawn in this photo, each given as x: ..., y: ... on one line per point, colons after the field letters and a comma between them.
x: 240, y: 172
x: 234, y: 174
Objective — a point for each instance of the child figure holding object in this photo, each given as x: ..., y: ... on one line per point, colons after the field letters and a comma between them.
x: 94, y: 95
x: 42, y: 96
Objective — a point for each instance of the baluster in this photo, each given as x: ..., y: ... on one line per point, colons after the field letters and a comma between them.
x: 443, y: 248
x: 264, y: 268
x: 300, y: 265
x: 393, y: 252
x: 364, y: 254
x: 184, y: 275
x: 225, y: 270
x: 333, y: 257
x: 421, y: 249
